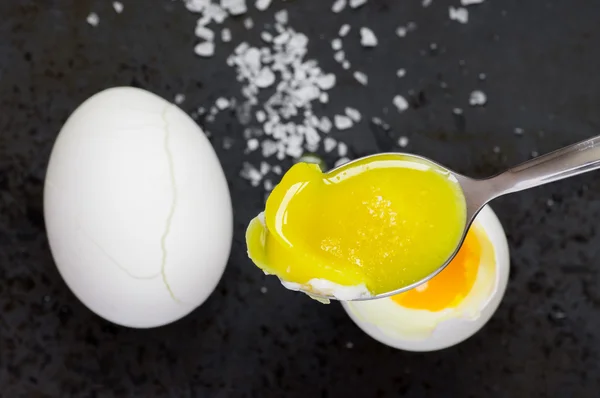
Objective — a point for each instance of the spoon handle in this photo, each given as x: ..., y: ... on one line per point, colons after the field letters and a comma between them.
x: 563, y: 163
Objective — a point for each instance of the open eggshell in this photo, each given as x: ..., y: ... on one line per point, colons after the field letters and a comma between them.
x: 451, y: 331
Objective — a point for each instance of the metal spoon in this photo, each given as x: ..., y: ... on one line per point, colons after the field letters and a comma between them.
x: 563, y: 163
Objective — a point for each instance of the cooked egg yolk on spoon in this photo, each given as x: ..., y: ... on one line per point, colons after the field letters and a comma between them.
x: 382, y: 223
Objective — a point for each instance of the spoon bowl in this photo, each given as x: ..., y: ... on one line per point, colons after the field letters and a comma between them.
x: 563, y: 163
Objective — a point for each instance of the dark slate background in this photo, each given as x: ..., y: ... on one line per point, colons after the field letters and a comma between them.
x: 541, y: 61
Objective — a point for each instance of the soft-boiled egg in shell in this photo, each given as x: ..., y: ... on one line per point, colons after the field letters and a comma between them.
x: 450, y: 307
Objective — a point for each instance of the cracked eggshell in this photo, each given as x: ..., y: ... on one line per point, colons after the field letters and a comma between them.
x: 137, y: 209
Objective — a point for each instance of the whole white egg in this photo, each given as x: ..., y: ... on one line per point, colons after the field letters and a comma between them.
x: 421, y: 330
x: 137, y: 209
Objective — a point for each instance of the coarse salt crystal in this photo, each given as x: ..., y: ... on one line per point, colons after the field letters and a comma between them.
x: 248, y: 23
x: 341, y: 161
x: 342, y: 122
x: 353, y: 114
x: 361, y: 78
x: 346, y: 65
x: 329, y: 144
x: 261, y: 116
x: 400, y: 103
x: 118, y: 6
x: 342, y: 149
x: 401, y: 73
x: 226, y: 35
x: 202, y: 32
x: 325, y: 124
x: 326, y: 82
x: 222, y: 103
x: 401, y: 31
x: 324, y: 98
x: 459, y: 14
x: 367, y: 37
x: 93, y: 19
x: 336, y: 44
x: 234, y: 7
x: 252, y: 144
x: 339, y: 56
x: 282, y: 17
x: 338, y: 6
x: 205, y: 49
x: 477, y: 98
x: 357, y: 3
x: 403, y: 142
x: 344, y: 30
x: 262, y: 5
x: 179, y: 98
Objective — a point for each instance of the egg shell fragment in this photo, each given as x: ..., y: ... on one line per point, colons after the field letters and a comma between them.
x: 137, y: 209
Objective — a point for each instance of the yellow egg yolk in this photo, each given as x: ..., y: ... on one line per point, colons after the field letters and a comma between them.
x: 385, y: 221
x: 453, y: 284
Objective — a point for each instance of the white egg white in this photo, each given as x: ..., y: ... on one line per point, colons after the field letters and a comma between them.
x: 421, y: 330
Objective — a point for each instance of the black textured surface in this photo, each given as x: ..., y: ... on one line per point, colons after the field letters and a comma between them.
x: 541, y: 64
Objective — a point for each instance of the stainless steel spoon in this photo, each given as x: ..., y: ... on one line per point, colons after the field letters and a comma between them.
x: 563, y: 163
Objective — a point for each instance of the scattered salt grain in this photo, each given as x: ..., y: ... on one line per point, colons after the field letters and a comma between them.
x: 469, y: 2
x: 282, y: 17
x: 344, y: 30
x: 277, y: 169
x: 179, y: 98
x: 325, y: 124
x: 262, y: 5
x: 342, y: 122
x: 263, y: 290
x: 534, y: 154
x: 234, y: 7
x: 357, y: 3
x: 338, y: 6
x: 268, y: 185
x: 265, y: 78
x: 329, y: 144
x: 118, y: 6
x: 93, y: 19
x: 222, y: 103
x: 400, y: 103
x: 426, y: 3
x: 403, y: 142
x: 253, y: 144
x: 324, y: 98
x: 326, y: 82
x: 336, y: 44
x: 367, y: 37
x: 349, y: 345
x: 341, y: 161
x: 226, y: 35
x: 550, y: 202
x: 361, y: 78
x: 261, y: 116
x: 251, y: 174
x: 401, y: 73
x: 459, y: 14
x: 342, y: 149
x: 346, y: 65
x: 248, y: 23
x: 339, y: 56
x: 496, y: 149
x: 401, y: 31
x: 519, y: 131
x: 203, y: 33
x: 353, y: 114
x: 477, y: 98
x: 205, y: 49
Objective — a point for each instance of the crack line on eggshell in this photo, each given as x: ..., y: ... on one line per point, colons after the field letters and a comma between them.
x: 111, y: 258
x: 163, y: 240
